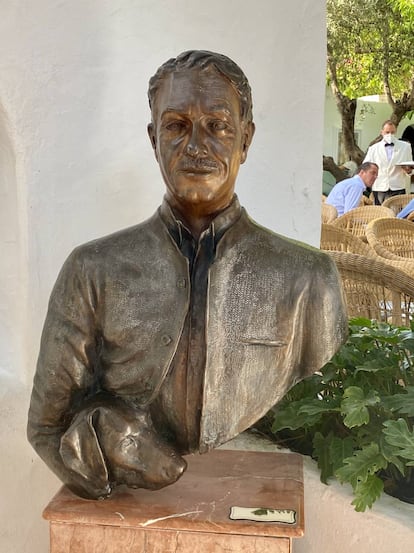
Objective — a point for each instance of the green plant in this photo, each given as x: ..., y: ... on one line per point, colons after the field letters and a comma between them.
x: 356, y: 416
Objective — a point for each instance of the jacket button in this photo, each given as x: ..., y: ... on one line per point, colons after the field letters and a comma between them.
x: 181, y: 283
x: 165, y: 339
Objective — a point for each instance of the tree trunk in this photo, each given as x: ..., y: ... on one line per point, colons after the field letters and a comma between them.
x: 347, y: 109
x: 332, y: 167
x: 402, y: 105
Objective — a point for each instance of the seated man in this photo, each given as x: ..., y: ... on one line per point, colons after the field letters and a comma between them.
x: 196, y: 321
x: 347, y: 193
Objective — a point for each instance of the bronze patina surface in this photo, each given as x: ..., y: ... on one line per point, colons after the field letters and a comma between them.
x: 177, y: 334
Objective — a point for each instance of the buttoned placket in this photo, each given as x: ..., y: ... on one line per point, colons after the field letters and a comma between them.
x: 200, y: 255
x: 179, y: 419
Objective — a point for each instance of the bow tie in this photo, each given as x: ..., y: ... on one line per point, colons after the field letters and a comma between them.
x: 390, y: 144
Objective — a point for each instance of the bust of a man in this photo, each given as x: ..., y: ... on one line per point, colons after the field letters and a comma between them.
x: 175, y: 335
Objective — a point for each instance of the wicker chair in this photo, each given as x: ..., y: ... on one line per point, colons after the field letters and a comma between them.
x: 328, y: 213
x: 356, y: 220
x: 375, y: 289
x: 340, y: 240
x: 392, y: 238
x: 366, y: 201
x: 396, y: 203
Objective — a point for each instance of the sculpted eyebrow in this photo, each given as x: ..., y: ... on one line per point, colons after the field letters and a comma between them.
x: 220, y: 109
x: 169, y: 110
x: 213, y: 109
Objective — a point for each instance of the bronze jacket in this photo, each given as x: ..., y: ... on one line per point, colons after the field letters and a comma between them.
x: 275, y: 315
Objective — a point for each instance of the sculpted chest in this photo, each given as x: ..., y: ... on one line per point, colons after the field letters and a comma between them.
x: 142, y: 307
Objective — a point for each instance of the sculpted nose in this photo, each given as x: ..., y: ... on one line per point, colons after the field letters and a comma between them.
x: 192, y: 150
x: 195, y: 146
x: 175, y: 469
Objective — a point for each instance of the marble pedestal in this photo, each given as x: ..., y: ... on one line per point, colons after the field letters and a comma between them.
x: 192, y: 515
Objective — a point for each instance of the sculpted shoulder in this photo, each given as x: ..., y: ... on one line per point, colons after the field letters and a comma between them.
x: 130, y: 242
x: 267, y: 245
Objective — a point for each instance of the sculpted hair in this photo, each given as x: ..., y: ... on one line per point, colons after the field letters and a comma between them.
x: 203, y: 59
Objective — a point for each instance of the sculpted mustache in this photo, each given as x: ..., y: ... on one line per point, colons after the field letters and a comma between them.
x: 197, y: 164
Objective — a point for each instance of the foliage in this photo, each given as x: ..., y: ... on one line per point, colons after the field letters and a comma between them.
x: 369, y: 51
x: 406, y: 8
x: 370, y: 45
x: 356, y: 416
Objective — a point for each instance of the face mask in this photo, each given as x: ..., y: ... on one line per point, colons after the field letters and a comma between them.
x: 389, y: 138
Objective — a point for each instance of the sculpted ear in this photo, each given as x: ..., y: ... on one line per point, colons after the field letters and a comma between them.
x: 247, y: 139
x: 153, y: 138
x: 81, y: 453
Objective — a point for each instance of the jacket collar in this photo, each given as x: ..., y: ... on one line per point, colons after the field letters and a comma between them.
x: 218, y: 226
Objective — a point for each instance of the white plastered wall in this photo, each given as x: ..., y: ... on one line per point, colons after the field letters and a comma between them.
x: 75, y: 161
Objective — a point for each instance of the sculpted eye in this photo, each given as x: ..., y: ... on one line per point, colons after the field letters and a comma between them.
x: 128, y: 441
x: 218, y: 125
x: 175, y: 126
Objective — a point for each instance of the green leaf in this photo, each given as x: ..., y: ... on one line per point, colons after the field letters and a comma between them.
x: 398, y: 435
x: 354, y: 406
x: 401, y: 403
x: 318, y: 407
x: 408, y: 341
x: 304, y: 413
x: 377, y: 363
x: 340, y: 449
x: 360, y: 321
x: 288, y: 416
x: 363, y: 462
x: 389, y: 454
x: 321, y: 450
x: 367, y: 492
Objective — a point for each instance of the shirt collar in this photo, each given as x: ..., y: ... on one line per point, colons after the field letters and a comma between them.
x: 218, y: 226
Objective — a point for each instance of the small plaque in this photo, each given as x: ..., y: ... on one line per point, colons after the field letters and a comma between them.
x: 263, y: 514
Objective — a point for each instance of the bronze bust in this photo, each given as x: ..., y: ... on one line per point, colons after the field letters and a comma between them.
x: 175, y: 335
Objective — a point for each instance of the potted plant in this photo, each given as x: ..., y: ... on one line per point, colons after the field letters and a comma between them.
x: 355, y: 417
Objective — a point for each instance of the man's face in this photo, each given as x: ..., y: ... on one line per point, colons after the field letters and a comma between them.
x: 389, y: 128
x: 199, y: 139
x: 368, y: 177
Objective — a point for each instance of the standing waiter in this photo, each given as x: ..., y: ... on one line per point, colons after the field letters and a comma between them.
x: 387, y: 154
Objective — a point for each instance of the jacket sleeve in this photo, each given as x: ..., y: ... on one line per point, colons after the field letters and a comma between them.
x: 370, y: 155
x: 408, y: 153
x: 326, y: 318
x: 66, y: 369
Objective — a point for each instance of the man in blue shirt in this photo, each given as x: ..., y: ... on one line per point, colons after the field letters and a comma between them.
x: 347, y: 193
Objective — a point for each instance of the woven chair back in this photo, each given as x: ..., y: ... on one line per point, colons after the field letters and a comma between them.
x: 392, y: 238
x: 355, y: 221
x: 374, y: 289
x: 340, y: 240
x: 396, y: 203
x: 328, y: 213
